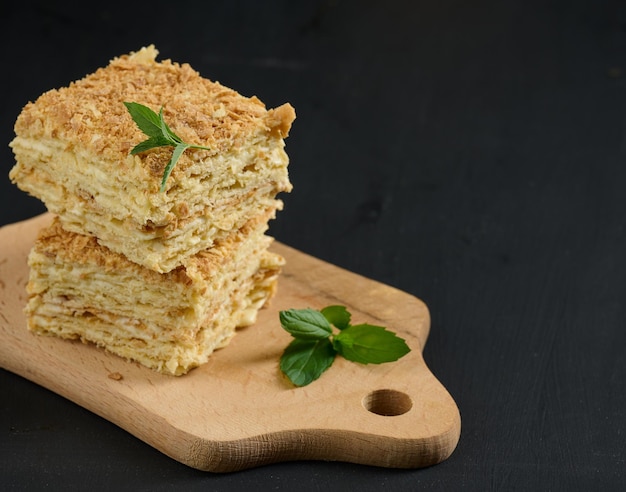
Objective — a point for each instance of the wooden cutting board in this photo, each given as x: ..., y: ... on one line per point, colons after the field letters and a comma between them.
x: 238, y: 411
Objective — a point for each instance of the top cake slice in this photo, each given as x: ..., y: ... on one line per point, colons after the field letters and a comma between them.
x: 73, y: 144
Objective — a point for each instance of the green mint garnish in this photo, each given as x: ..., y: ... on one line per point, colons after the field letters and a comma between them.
x: 369, y: 344
x: 305, y: 360
x: 159, y: 135
x: 337, y: 315
x: 316, y: 345
x: 305, y: 324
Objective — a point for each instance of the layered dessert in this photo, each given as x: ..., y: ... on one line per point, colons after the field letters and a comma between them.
x: 154, y: 263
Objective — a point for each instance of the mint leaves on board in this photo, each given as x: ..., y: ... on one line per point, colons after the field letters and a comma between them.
x: 316, y: 344
x: 160, y: 135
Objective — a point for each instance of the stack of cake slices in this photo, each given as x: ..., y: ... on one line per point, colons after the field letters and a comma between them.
x: 159, y: 276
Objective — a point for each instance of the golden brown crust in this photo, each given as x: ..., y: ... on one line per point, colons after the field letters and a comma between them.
x: 90, y: 112
x: 280, y: 119
x: 55, y: 241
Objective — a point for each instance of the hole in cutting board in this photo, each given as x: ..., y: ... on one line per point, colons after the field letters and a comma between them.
x: 387, y: 402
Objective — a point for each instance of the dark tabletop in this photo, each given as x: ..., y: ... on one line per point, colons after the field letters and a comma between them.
x: 472, y: 154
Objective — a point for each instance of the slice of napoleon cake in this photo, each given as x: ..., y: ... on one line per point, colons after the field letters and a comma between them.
x: 170, y: 322
x: 73, y: 144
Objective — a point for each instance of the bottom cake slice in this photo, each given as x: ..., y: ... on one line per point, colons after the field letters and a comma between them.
x: 169, y: 322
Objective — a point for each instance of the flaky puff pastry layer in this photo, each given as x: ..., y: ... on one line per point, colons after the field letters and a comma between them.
x: 73, y: 144
x: 170, y: 322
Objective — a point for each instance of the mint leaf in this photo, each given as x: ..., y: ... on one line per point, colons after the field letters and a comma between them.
x: 166, y: 130
x: 152, y: 142
x: 337, y: 316
x: 146, y: 119
x: 161, y: 135
x: 370, y: 344
x: 307, y: 324
x: 178, y: 151
x: 304, y: 361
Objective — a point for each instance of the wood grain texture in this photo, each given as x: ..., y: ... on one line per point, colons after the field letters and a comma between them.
x: 238, y: 411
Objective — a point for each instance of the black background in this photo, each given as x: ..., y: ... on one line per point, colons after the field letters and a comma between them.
x: 470, y: 153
